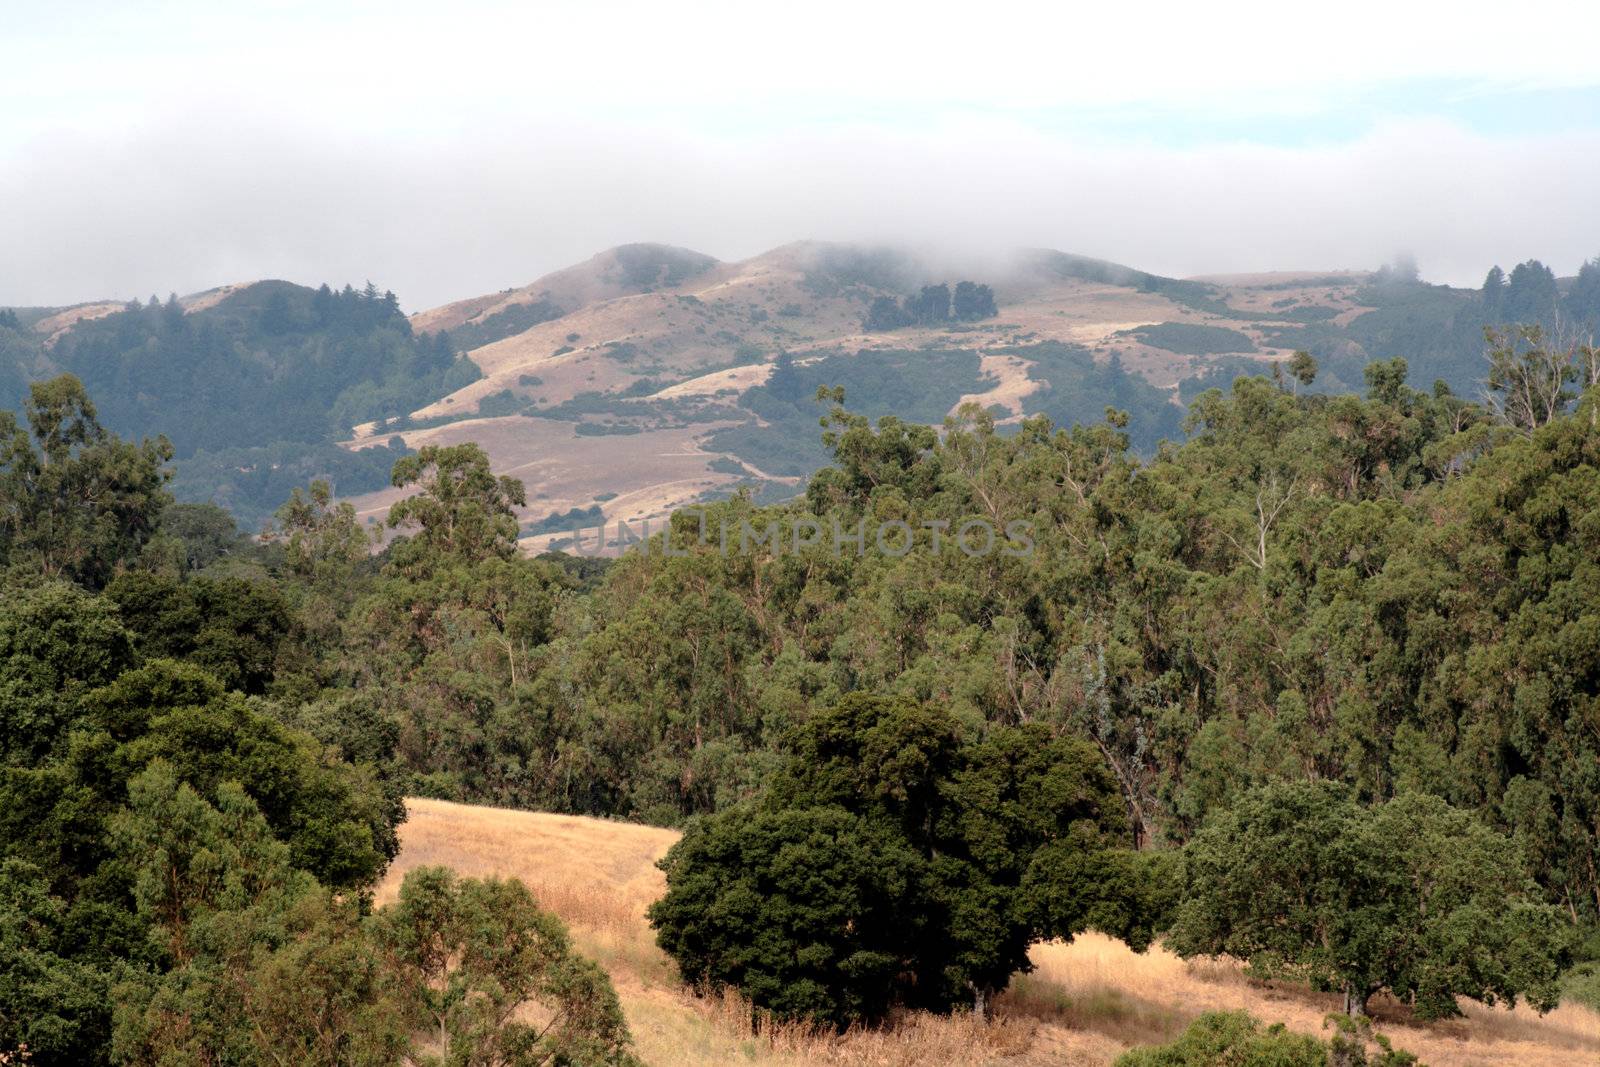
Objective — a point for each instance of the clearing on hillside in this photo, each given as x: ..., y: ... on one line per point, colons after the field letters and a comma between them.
x: 1084, y: 1003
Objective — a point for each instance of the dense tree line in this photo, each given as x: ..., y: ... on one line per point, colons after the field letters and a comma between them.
x: 1390, y: 593
x: 1440, y: 330
x: 1364, y: 589
x: 1411, y: 896
x: 923, y: 386
x: 1371, y: 590
x: 253, y: 390
x: 191, y: 825
x: 273, y: 362
x: 1530, y: 295
x: 932, y: 305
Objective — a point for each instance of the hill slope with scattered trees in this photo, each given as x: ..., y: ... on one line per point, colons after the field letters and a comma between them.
x: 1342, y: 645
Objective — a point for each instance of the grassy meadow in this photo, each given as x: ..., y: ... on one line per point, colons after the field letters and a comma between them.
x: 1084, y: 1003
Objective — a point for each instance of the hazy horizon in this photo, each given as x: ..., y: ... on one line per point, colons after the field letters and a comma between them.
x: 444, y: 155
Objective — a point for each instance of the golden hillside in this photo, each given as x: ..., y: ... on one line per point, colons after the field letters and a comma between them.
x: 1083, y: 1004
x: 670, y: 339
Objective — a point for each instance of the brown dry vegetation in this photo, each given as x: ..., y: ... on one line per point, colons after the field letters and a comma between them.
x: 684, y: 336
x: 55, y: 325
x: 718, y: 330
x: 651, y: 473
x: 1011, y: 383
x: 211, y: 297
x: 1083, y: 1004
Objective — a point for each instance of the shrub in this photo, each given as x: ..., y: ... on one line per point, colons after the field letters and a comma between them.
x: 1232, y: 1038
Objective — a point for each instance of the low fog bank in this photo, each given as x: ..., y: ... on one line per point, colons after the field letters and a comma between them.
x: 228, y: 197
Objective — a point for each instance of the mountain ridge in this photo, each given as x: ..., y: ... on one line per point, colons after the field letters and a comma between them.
x: 648, y: 376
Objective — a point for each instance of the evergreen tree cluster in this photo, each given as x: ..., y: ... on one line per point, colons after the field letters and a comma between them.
x: 1529, y: 294
x: 272, y: 362
x: 933, y: 305
x: 252, y: 390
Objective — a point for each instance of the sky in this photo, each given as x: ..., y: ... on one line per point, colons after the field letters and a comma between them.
x: 447, y: 150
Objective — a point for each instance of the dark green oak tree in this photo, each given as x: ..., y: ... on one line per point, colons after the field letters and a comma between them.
x: 1411, y: 896
x: 894, y: 861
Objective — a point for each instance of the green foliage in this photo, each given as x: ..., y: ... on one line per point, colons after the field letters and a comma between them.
x: 1411, y: 896
x: 254, y: 389
x: 505, y: 402
x: 1413, y: 569
x: 250, y: 482
x: 1220, y: 373
x: 1581, y: 985
x: 1303, y: 366
x: 595, y: 429
x: 805, y: 910
x: 466, y: 955
x: 1236, y: 1039
x: 449, y: 636
x: 1232, y: 1038
x: 507, y: 322
x: 565, y: 521
x: 933, y: 305
x: 204, y: 533
x: 56, y: 643
x: 194, y: 865
x: 75, y: 501
x: 1076, y: 390
x: 52, y: 1003
x: 231, y: 628
x: 1198, y: 295
x: 323, y: 543
x: 837, y: 269
x: 919, y: 386
x: 463, y: 511
x: 337, y: 822
x: 645, y: 267
x: 263, y: 967
x: 973, y: 302
x: 890, y: 861
x: 271, y: 362
x: 1531, y: 377
x: 1392, y: 591
x: 1192, y: 339
x: 1581, y: 306
x: 145, y: 813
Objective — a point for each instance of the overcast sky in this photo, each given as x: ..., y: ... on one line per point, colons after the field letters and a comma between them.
x: 445, y: 150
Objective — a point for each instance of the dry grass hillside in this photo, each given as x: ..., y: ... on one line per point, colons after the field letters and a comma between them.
x: 53, y: 326
x: 671, y: 338
x: 796, y: 297
x: 1083, y: 1004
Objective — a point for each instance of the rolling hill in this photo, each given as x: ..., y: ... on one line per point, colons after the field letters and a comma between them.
x: 253, y: 384
x: 1084, y: 1003
x: 651, y: 377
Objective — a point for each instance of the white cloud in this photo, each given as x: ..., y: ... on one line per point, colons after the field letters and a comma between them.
x: 445, y: 152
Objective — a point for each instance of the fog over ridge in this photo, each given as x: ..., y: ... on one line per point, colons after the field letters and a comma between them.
x: 273, y: 202
x: 183, y: 145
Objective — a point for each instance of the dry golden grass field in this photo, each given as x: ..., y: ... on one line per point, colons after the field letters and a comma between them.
x: 1083, y: 1004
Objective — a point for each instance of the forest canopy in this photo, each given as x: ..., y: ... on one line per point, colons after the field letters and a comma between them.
x: 1390, y: 594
